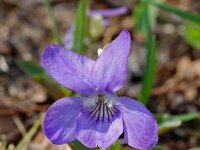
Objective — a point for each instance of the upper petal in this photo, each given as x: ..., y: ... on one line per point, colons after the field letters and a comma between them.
x: 98, y: 131
x: 68, y: 68
x: 140, y: 126
x: 60, y: 119
x: 109, y: 72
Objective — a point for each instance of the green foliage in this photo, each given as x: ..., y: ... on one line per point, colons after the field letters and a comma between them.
x: 80, y: 27
x: 31, y: 69
x: 138, y: 17
x: 177, y: 11
x: 158, y: 147
x: 115, y: 146
x: 78, y: 146
x: 149, y: 71
x: 167, y: 122
x: 192, y: 34
x: 52, y: 19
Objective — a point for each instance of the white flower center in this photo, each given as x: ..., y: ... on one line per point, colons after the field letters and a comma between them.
x: 101, y: 106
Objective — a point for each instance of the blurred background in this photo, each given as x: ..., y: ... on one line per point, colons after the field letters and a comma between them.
x: 163, y: 68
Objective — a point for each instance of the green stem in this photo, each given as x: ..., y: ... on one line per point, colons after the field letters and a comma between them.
x: 51, y: 17
x: 81, y: 27
x: 150, y: 66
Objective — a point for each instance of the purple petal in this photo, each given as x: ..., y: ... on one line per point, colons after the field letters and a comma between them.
x: 68, y: 68
x: 60, y: 120
x: 102, y: 132
x: 68, y: 37
x: 109, y: 12
x: 109, y: 73
x: 140, y: 127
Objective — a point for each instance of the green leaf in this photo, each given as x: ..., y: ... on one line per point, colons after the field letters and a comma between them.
x: 115, y: 146
x: 139, y: 15
x: 158, y: 147
x: 192, y: 34
x: 167, y: 122
x: 80, y: 27
x: 52, y: 19
x: 78, y: 146
x: 31, y: 69
x: 187, y: 116
x: 37, y: 73
x: 194, y: 17
x: 150, y: 67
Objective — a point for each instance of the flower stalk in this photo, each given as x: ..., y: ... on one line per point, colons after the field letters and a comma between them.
x: 52, y: 19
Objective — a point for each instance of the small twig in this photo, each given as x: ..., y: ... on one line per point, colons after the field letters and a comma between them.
x: 20, y: 125
x: 25, y: 140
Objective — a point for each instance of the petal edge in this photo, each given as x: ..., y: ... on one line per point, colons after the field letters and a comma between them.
x: 100, y: 133
x: 140, y: 126
x: 59, y: 121
x: 109, y: 72
x: 68, y: 68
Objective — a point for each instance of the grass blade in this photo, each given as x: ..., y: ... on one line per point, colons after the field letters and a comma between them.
x: 80, y: 27
x: 192, y: 34
x: 138, y: 18
x: 178, y: 11
x: 51, y: 17
x: 149, y: 71
x: 167, y: 122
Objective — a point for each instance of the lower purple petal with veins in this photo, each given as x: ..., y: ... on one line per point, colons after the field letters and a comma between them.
x: 59, y: 122
x: 99, y: 126
x: 140, y: 127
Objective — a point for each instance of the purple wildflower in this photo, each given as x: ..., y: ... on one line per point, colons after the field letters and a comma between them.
x: 98, y: 117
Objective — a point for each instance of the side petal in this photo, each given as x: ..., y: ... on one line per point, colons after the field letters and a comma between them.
x: 59, y: 122
x: 68, y: 68
x: 101, y: 132
x: 109, y: 72
x: 140, y: 126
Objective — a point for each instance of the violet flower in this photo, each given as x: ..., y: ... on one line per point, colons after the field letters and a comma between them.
x: 98, y: 117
